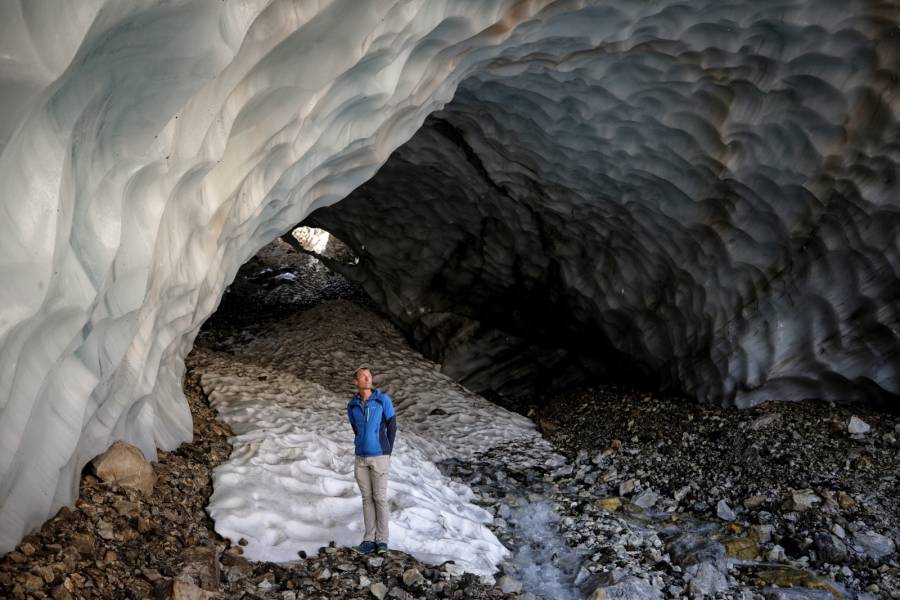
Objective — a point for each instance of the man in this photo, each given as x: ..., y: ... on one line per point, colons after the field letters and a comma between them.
x: 374, y: 424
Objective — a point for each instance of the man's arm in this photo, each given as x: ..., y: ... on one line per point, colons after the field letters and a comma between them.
x: 350, y: 418
x: 390, y: 417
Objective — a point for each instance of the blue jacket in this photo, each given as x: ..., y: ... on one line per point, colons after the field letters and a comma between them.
x: 374, y: 424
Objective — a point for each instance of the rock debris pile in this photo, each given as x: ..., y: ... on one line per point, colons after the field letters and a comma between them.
x: 805, y: 485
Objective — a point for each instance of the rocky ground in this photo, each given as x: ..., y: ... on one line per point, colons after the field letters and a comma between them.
x: 634, y: 496
x: 806, y: 485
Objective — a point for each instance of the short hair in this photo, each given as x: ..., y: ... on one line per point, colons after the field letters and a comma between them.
x: 360, y: 368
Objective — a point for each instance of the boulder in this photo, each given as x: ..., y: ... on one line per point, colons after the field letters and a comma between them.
x: 125, y: 465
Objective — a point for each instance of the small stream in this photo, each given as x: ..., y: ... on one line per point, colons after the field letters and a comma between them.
x: 542, y: 560
x: 523, y: 497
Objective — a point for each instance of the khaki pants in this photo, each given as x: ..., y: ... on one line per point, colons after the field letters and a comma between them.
x: 372, y: 476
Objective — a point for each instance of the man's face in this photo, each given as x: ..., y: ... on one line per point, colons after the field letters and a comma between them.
x: 363, y: 379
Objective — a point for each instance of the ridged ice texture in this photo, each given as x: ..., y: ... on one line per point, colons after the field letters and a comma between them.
x: 722, y: 208
x: 148, y: 150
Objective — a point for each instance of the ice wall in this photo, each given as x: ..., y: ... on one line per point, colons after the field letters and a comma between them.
x: 151, y: 148
x: 148, y: 149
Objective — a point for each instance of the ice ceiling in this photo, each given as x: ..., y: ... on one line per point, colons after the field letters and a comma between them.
x: 713, y: 186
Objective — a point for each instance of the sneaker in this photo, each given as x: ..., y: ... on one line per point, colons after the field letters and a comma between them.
x: 381, y: 548
x: 366, y: 547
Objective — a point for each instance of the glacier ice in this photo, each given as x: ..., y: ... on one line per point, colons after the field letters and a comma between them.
x: 715, y: 213
x: 148, y: 149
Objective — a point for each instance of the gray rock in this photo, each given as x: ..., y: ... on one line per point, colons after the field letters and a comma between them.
x: 858, y: 426
x: 379, y: 590
x: 602, y: 579
x: 689, y: 548
x: 874, y: 545
x: 705, y: 579
x: 630, y: 588
x: 830, y: 548
x: 724, y: 512
x: 776, y: 554
x: 646, y: 499
x: 582, y: 576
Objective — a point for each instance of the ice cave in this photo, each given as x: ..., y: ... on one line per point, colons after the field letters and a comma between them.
x: 700, y: 196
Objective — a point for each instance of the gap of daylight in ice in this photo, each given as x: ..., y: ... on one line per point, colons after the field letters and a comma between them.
x: 289, y: 485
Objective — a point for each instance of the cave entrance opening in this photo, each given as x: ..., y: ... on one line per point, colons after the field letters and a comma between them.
x: 293, y: 273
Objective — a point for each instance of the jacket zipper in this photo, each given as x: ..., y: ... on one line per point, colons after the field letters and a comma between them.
x: 365, y: 411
